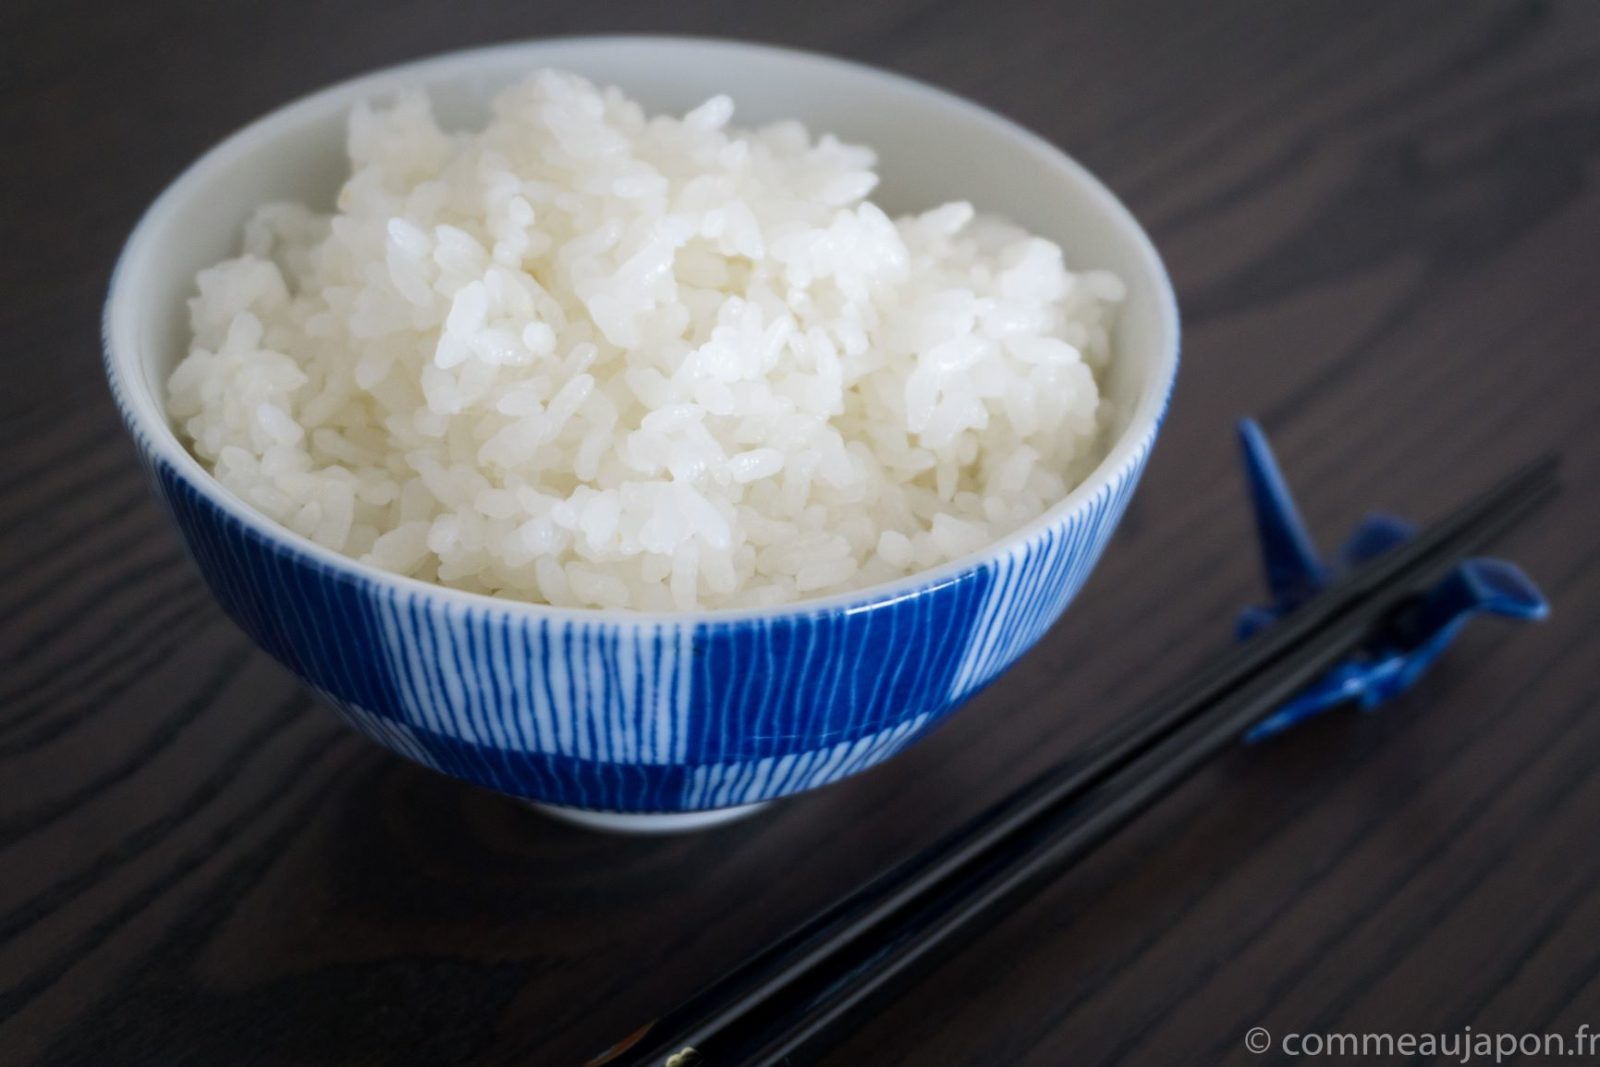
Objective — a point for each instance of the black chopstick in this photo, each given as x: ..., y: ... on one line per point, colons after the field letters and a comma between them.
x: 782, y: 1000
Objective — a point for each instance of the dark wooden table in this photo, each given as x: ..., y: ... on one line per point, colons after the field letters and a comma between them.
x: 1384, y: 222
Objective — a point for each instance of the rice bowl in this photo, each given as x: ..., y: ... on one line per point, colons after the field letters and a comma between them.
x: 630, y: 718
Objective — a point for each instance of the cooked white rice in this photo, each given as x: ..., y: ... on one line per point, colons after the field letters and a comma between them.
x: 588, y: 357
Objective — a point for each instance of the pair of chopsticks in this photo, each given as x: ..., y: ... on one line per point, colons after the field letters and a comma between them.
x: 790, y: 999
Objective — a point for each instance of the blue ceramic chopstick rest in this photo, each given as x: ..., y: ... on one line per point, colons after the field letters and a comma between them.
x: 1407, y: 645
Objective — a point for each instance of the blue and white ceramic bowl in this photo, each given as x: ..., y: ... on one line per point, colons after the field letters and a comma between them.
x: 624, y: 719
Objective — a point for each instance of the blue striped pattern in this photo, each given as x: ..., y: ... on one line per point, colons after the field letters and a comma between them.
x: 581, y: 689
x: 763, y: 685
x: 1033, y: 584
x: 602, y: 714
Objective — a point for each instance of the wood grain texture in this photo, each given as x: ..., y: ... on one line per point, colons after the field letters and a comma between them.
x: 1384, y: 223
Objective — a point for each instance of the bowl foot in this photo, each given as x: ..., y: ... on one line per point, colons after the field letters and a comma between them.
x: 666, y: 822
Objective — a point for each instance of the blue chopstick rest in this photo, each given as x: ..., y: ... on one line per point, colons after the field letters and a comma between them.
x: 1402, y: 651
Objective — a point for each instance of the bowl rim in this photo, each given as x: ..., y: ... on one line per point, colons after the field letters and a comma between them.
x: 154, y: 434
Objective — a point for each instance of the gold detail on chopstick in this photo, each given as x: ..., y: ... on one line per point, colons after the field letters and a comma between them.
x: 684, y: 1057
